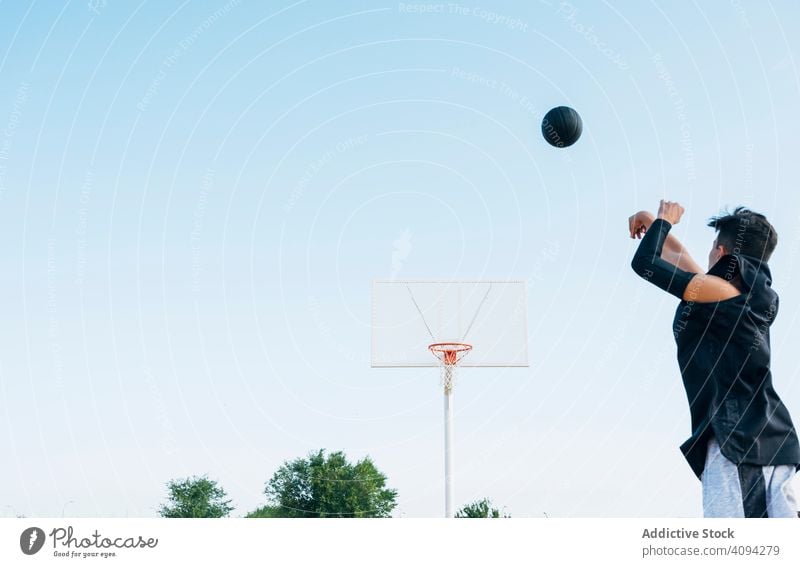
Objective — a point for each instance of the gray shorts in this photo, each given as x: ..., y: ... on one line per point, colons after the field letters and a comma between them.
x: 746, y: 491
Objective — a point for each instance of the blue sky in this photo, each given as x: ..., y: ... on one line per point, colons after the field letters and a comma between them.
x: 195, y: 198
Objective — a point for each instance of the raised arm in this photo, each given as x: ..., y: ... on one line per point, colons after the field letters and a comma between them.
x: 649, y: 263
x: 673, y: 251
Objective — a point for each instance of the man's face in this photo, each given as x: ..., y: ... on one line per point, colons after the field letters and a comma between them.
x: 717, y: 252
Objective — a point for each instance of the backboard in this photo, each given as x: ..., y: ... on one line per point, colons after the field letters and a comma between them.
x: 409, y: 315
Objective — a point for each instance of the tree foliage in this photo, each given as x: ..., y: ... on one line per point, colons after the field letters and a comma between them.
x: 327, y: 487
x: 195, y: 497
x: 479, y: 509
x: 265, y: 512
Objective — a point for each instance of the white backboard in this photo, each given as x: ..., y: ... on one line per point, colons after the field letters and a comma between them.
x: 408, y: 315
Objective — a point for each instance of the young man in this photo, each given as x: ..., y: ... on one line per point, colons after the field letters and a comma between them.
x: 743, y: 446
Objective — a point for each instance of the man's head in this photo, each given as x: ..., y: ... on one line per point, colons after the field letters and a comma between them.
x: 742, y: 232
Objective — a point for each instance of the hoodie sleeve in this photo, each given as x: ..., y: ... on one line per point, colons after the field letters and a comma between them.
x: 647, y: 261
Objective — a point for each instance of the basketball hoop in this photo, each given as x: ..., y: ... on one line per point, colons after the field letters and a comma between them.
x: 449, y: 355
x: 457, y: 315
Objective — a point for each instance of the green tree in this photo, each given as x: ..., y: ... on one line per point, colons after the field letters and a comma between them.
x: 327, y: 487
x: 195, y: 497
x: 265, y: 512
x: 479, y: 509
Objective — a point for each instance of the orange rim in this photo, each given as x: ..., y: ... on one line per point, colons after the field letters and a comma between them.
x: 450, y: 353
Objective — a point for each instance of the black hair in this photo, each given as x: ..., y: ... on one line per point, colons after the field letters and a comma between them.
x: 745, y: 232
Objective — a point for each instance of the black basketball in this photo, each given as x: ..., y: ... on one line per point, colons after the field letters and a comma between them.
x: 562, y: 127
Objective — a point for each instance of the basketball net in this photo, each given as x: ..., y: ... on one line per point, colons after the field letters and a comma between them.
x: 449, y: 355
x: 448, y: 377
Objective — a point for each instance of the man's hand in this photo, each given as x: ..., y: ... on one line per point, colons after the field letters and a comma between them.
x: 670, y: 211
x: 673, y: 251
x: 639, y: 223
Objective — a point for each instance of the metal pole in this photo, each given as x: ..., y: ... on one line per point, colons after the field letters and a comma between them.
x: 448, y: 442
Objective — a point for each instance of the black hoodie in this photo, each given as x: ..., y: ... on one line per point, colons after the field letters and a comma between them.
x: 724, y: 358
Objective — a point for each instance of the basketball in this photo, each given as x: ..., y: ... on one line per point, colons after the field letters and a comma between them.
x: 562, y: 126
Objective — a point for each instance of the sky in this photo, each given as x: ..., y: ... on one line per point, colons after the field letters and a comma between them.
x: 195, y: 199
